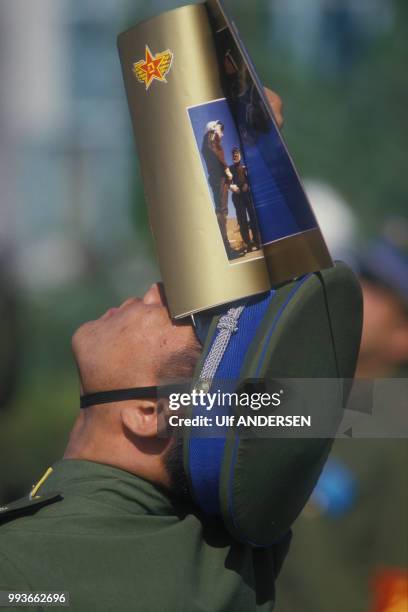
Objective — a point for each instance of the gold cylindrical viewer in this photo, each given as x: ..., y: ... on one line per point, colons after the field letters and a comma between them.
x: 192, y: 259
x: 169, y: 65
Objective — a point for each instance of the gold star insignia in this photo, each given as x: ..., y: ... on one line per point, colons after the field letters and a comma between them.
x: 153, y: 67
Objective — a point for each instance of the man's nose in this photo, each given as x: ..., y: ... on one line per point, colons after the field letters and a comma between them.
x: 155, y: 295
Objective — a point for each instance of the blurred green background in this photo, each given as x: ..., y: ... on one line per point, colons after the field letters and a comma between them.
x: 74, y: 237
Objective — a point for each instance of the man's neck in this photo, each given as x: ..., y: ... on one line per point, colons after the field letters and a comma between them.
x: 99, y: 438
x: 371, y: 368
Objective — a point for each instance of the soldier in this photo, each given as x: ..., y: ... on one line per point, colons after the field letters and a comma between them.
x: 219, y: 176
x: 362, y: 496
x: 242, y: 201
x: 127, y: 508
x: 112, y: 523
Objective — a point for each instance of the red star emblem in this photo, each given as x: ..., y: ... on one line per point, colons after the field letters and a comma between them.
x: 153, y: 67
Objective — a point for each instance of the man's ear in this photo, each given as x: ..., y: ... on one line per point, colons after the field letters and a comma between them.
x: 140, y: 418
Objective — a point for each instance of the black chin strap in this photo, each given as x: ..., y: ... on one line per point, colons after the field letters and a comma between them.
x: 118, y: 395
x: 122, y: 395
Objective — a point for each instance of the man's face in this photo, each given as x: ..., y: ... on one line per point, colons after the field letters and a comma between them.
x: 236, y: 157
x: 127, y: 346
x: 219, y: 130
x: 385, y: 327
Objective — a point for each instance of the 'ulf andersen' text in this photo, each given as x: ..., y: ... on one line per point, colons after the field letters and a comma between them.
x: 256, y: 420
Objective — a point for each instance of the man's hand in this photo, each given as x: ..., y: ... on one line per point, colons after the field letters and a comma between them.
x: 275, y: 103
x: 234, y: 188
x: 228, y: 174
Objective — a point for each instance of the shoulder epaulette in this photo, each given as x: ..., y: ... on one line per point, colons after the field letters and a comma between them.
x: 28, y: 505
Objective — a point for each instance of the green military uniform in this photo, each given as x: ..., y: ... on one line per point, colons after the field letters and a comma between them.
x: 336, y: 561
x: 116, y: 542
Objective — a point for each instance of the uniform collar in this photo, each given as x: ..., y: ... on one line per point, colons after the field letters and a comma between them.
x: 109, y: 485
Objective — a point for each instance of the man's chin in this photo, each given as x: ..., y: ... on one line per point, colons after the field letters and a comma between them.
x: 80, y: 338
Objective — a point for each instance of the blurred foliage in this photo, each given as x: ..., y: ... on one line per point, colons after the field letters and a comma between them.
x: 35, y: 425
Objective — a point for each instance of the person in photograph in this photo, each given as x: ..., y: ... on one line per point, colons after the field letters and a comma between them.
x: 242, y: 201
x: 219, y: 177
